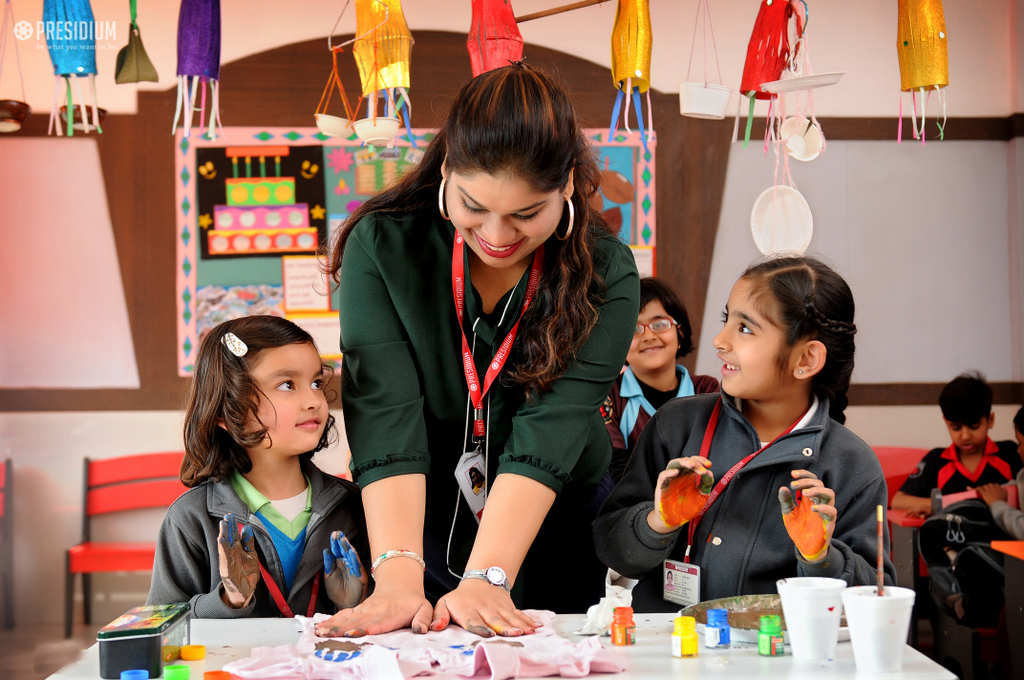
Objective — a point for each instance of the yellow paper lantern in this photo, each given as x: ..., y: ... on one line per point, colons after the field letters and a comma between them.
x: 631, y: 45
x: 383, y: 47
x: 922, y: 45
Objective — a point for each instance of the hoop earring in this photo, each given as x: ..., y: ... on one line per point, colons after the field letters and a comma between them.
x: 440, y: 200
x: 572, y: 218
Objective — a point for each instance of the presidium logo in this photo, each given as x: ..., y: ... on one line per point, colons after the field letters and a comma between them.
x: 67, y: 30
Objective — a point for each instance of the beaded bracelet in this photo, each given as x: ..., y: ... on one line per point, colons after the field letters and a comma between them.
x: 396, y: 553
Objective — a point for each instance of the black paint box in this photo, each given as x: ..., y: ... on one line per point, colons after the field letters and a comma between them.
x: 144, y: 638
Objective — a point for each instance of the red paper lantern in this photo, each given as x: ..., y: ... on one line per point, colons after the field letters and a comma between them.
x: 768, y: 50
x: 494, y: 39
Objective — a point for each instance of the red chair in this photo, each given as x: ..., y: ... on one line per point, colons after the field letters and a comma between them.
x: 7, y: 542
x: 114, y: 485
x: 897, y: 464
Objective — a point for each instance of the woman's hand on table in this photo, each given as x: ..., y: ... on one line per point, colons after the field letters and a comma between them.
x: 481, y: 608
x: 397, y: 602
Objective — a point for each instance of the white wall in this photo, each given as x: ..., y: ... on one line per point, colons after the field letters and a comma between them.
x: 859, y: 40
x: 47, y: 451
x: 921, y: 233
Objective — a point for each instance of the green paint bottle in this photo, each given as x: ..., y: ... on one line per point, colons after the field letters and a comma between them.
x: 769, y: 639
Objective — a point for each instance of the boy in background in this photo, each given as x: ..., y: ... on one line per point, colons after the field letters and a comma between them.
x: 1009, y: 519
x: 972, y: 460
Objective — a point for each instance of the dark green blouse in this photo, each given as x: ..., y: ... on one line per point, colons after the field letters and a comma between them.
x: 404, y: 393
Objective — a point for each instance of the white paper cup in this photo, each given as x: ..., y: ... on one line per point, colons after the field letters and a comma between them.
x: 813, y: 608
x: 878, y: 626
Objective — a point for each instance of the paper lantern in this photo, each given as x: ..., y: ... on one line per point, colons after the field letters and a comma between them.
x: 198, y: 63
x: 383, y: 49
x: 768, y: 50
x: 73, y: 54
x: 494, y: 38
x: 384, y: 45
x: 12, y: 111
x: 923, y: 54
x: 133, y: 64
x: 631, y: 61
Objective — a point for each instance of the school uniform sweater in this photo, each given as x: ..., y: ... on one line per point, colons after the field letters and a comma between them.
x: 741, y: 544
x: 186, y: 567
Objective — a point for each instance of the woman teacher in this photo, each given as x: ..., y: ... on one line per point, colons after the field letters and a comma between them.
x: 485, y: 312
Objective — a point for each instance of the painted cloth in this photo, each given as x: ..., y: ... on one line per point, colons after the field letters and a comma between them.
x: 629, y: 406
x: 405, y: 391
x: 941, y: 469
x: 751, y: 549
x: 451, y: 652
x: 186, y: 566
x: 1010, y: 519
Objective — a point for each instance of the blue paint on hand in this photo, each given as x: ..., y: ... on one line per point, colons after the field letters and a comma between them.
x: 343, y: 550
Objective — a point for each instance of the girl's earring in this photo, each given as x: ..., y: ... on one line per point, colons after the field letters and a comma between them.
x: 572, y: 218
x: 800, y: 372
x: 440, y: 200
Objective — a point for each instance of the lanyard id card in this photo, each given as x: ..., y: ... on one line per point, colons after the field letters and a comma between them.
x: 681, y: 583
x: 472, y: 479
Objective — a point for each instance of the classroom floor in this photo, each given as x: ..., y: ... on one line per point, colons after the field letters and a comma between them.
x: 34, y: 652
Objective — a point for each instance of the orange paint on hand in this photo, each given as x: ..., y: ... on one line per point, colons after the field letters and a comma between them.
x: 683, y: 498
x: 807, y: 528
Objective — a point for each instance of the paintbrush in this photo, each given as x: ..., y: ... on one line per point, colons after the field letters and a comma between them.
x: 881, y: 571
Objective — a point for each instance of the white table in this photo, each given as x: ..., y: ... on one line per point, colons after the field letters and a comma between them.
x: 650, y: 658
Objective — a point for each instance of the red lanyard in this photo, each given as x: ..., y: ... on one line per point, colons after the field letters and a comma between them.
x: 498, y: 362
x: 275, y: 592
x: 282, y: 605
x: 705, y: 449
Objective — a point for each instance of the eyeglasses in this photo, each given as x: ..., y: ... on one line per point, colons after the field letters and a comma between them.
x: 656, y: 326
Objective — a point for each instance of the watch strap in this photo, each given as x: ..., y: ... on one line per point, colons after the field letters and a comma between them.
x: 481, y: 574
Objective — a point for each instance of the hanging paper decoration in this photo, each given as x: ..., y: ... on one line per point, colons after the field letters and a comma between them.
x: 133, y: 64
x: 703, y: 99
x: 73, y: 53
x: 12, y: 112
x: 494, y: 38
x: 924, y: 58
x: 631, y: 63
x: 198, y: 64
x: 383, y: 48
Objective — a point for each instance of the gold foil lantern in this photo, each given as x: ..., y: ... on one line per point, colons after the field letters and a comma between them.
x: 384, y: 46
x: 631, y: 62
x: 924, y: 57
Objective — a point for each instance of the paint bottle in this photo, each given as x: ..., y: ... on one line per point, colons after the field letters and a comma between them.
x: 769, y: 639
x: 623, y: 628
x: 716, y: 630
x: 684, y: 637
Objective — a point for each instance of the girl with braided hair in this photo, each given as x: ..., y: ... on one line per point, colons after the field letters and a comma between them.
x: 736, y: 490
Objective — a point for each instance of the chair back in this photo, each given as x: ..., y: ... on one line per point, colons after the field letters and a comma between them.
x: 897, y: 464
x: 5, y: 491
x: 148, y: 480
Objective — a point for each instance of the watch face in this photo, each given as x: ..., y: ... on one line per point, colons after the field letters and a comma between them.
x: 496, y: 575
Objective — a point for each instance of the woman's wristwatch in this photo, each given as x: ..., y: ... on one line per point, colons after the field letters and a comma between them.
x: 493, y: 575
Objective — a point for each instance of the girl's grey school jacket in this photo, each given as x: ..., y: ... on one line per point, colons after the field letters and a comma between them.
x: 186, y: 566
x: 741, y: 544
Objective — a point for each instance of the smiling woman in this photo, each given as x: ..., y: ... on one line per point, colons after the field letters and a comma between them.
x: 495, y: 364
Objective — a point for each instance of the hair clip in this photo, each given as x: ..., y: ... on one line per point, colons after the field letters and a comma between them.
x: 233, y: 343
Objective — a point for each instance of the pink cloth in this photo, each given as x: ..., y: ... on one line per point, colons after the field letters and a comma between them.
x: 452, y: 652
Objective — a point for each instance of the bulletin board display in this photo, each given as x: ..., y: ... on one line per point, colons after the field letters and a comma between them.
x: 256, y: 208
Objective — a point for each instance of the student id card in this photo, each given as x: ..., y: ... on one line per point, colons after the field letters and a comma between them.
x: 681, y: 583
x: 469, y: 473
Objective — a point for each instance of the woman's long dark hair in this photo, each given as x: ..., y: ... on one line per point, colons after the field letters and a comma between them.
x: 222, y: 416
x: 808, y: 299
x: 517, y: 121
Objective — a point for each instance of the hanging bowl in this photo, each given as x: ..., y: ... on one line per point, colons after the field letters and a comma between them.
x: 376, y: 131
x: 703, y: 100
x: 13, y: 114
x: 333, y: 126
x: 77, y: 122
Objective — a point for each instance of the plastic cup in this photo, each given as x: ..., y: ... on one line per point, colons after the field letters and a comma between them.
x: 813, y: 608
x: 878, y: 626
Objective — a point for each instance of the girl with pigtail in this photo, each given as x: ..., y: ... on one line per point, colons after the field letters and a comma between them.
x: 261, y: 531
x: 737, y: 490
